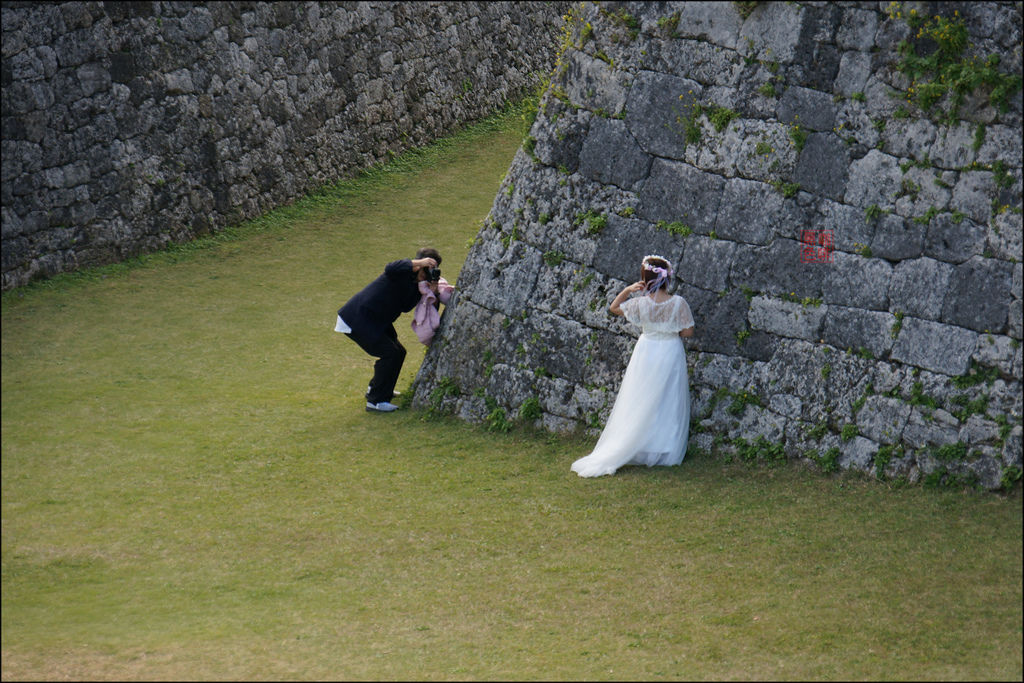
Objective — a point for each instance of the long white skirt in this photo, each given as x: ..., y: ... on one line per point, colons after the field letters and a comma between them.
x: 650, y: 421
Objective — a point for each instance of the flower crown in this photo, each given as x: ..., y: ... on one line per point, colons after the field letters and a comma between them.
x: 647, y: 266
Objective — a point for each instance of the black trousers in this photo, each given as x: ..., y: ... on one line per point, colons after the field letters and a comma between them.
x: 390, y: 355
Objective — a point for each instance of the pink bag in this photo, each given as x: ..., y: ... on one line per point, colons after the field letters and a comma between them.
x: 426, y: 317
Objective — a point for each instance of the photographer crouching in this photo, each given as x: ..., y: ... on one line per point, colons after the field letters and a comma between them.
x: 368, y: 318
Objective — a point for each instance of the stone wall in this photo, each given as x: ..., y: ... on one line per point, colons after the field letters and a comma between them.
x: 129, y: 125
x: 722, y: 138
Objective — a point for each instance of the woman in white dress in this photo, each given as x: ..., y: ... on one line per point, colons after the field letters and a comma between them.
x: 650, y: 421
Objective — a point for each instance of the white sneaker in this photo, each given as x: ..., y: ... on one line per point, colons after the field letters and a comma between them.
x: 382, y: 407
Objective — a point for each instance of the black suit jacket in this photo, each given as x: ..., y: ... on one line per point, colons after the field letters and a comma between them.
x: 372, y: 312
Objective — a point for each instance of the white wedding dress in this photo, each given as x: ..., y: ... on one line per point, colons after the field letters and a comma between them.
x: 650, y: 421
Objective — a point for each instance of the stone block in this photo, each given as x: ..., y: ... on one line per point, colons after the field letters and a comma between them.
x: 896, y: 238
x: 624, y: 243
x: 823, y: 166
x: 786, y: 404
x: 883, y: 418
x: 954, y: 241
x: 986, y: 468
x: 911, y: 138
x: 954, y: 146
x: 923, y: 431
x: 857, y: 454
x: 1012, y: 448
x: 853, y: 280
x: 1002, y: 143
x: 856, y: 329
x: 748, y: 211
x: 848, y: 225
x: 1015, y: 320
x: 999, y: 351
x: 857, y: 29
x: 878, y: 97
x: 918, y: 287
x: 767, y: 167
x: 923, y: 190
x: 594, y: 84
x: 706, y: 262
x: 705, y: 21
x: 722, y: 152
x: 1005, y: 238
x: 509, y: 386
x: 873, y: 180
x: 809, y: 109
x: 676, y: 191
x: 700, y: 61
x: 505, y: 281
x: 946, y: 349
x: 786, y: 318
x: 854, y: 69
x: 610, y: 155
x: 717, y: 318
x: 552, y: 344
x: 772, y: 32
x: 977, y: 297
x: 777, y: 269
x: 978, y: 430
x: 656, y: 108
x: 972, y: 195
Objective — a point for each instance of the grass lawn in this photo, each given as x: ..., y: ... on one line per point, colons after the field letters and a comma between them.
x: 192, y: 490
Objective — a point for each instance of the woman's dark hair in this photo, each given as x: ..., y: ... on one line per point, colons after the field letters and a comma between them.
x: 429, y: 252
x: 648, y: 276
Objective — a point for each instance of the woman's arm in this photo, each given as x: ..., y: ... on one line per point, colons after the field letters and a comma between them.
x: 688, y: 332
x: 623, y: 295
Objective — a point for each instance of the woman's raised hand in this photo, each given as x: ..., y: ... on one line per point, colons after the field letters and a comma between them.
x: 635, y: 287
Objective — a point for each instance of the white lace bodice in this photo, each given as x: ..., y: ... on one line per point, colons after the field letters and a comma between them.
x: 658, y: 320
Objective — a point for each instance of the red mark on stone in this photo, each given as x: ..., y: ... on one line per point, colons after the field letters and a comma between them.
x: 816, y: 246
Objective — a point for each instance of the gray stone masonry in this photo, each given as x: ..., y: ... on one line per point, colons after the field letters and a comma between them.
x: 131, y: 125
x: 718, y: 140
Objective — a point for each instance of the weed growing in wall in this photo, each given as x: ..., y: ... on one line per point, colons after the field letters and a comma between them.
x: 669, y: 24
x: 553, y: 258
x: 594, y: 221
x: 946, y: 75
x: 531, y: 409
x: 720, y: 117
x: 745, y: 8
x: 675, y: 228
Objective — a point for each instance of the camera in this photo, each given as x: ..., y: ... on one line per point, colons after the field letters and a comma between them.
x: 433, y: 274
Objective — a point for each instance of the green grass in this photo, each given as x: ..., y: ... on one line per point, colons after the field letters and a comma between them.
x: 192, y: 490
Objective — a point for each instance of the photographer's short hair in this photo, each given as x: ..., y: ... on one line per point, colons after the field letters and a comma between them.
x: 429, y: 252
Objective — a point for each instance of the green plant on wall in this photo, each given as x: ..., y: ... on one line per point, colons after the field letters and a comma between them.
x: 946, y: 74
x: 594, y: 221
x: 553, y: 257
x: 531, y: 409
x: 720, y: 117
x: 624, y: 19
x: 675, y: 227
x: 799, y: 137
x: 745, y: 8
x: 669, y: 23
x: 688, y: 122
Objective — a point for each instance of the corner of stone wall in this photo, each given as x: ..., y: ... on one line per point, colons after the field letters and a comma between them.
x: 846, y: 232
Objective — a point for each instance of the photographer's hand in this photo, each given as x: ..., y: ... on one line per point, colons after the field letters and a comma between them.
x: 420, y: 263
